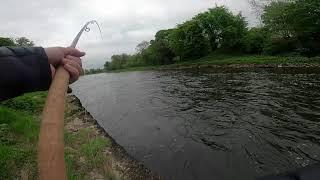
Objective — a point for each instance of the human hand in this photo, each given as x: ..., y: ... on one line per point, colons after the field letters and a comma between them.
x: 68, y: 57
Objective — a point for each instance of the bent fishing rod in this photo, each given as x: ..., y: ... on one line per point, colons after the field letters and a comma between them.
x: 51, y: 162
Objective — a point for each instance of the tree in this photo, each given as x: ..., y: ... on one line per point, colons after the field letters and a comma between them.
x: 276, y: 19
x: 255, y: 40
x: 159, y: 51
x: 232, y: 35
x: 119, y: 61
x: 107, y: 65
x: 295, y: 21
x: 222, y: 28
x: 304, y: 16
x: 6, y: 42
x: 23, y: 41
x: 188, y: 40
x: 142, y: 46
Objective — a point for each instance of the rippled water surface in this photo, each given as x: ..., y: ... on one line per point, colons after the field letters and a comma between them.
x: 210, y: 125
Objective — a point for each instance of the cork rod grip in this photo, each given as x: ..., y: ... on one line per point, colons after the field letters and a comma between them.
x: 51, y: 162
x: 51, y: 142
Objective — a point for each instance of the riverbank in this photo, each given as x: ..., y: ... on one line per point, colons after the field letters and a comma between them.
x: 90, y: 153
x: 234, y: 61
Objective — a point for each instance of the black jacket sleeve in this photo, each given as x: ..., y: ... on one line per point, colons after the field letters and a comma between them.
x: 23, y: 69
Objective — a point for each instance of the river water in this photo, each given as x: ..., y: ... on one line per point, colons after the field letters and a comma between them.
x: 210, y: 124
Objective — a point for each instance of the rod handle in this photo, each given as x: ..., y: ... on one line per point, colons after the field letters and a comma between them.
x: 51, y: 141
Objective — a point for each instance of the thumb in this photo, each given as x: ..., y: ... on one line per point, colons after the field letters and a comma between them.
x: 53, y: 71
x: 73, y: 52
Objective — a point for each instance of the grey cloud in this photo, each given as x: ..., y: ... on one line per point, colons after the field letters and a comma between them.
x: 124, y: 23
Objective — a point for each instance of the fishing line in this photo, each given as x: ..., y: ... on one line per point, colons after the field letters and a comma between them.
x: 76, y: 39
x: 87, y: 29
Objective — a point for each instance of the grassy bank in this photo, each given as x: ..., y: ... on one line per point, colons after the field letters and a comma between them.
x: 19, y: 128
x: 89, y: 152
x: 234, y: 61
x: 222, y: 59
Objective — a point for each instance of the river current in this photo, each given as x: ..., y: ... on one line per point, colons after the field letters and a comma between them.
x: 210, y: 124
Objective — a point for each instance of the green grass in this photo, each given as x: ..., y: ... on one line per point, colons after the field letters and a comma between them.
x: 254, y: 59
x: 19, y: 130
x: 30, y: 102
x: 85, y: 150
x: 141, y: 68
x: 228, y: 59
x: 84, y: 153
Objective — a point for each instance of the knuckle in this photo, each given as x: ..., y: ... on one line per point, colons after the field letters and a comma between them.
x: 71, y: 57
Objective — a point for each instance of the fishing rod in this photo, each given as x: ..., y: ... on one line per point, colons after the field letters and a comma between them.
x: 51, y: 162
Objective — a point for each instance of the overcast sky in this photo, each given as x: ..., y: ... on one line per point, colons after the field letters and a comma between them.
x: 124, y: 23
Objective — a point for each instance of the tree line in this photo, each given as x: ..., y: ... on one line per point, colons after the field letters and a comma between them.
x: 21, y: 41
x: 289, y: 27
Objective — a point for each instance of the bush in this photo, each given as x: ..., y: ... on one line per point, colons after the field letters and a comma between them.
x: 18, y: 134
x: 255, y: 40
x: 31, y: 102
x: 6, y: 42
x: 276, y: 46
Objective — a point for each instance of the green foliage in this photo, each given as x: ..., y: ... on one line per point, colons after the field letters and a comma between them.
x: 159, y: 50
x: 142, y: 46
x: 276, y: 46
x: 94, y: 71
x: 276, y: 19
x: 255, y: 40
x: 223, y: 29
x: 107, y: 65
x: 18, y: 133
x: 23, y: 41
x: 305, y: 22
x: 6, y: 42
x: 188, y: 40
x: 214, y: 29
x: 229, y: 59
x: 30, y: 102
x: 14, y: 158
x: 16, y: 125
x: 290, y: 27
x: 297, y: 21
x: 88, y: 147
x: 119, y: 61
x: 93, y: 150
x: 19, y: 129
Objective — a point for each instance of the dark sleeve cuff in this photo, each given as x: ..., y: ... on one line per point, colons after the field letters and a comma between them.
x: 45, y: 76
x: 37, y: 72
x: 23, y: 69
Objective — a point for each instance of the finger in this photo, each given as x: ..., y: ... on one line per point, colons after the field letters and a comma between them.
x: 73, y: 64
x: 73, y: 52
x: 74, y: 74
x: 76, y: 59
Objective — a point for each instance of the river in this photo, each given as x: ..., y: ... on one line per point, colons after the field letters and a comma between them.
x: 210, y: 124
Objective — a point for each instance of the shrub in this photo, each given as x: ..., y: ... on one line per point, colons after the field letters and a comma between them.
x: 276, y: 46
